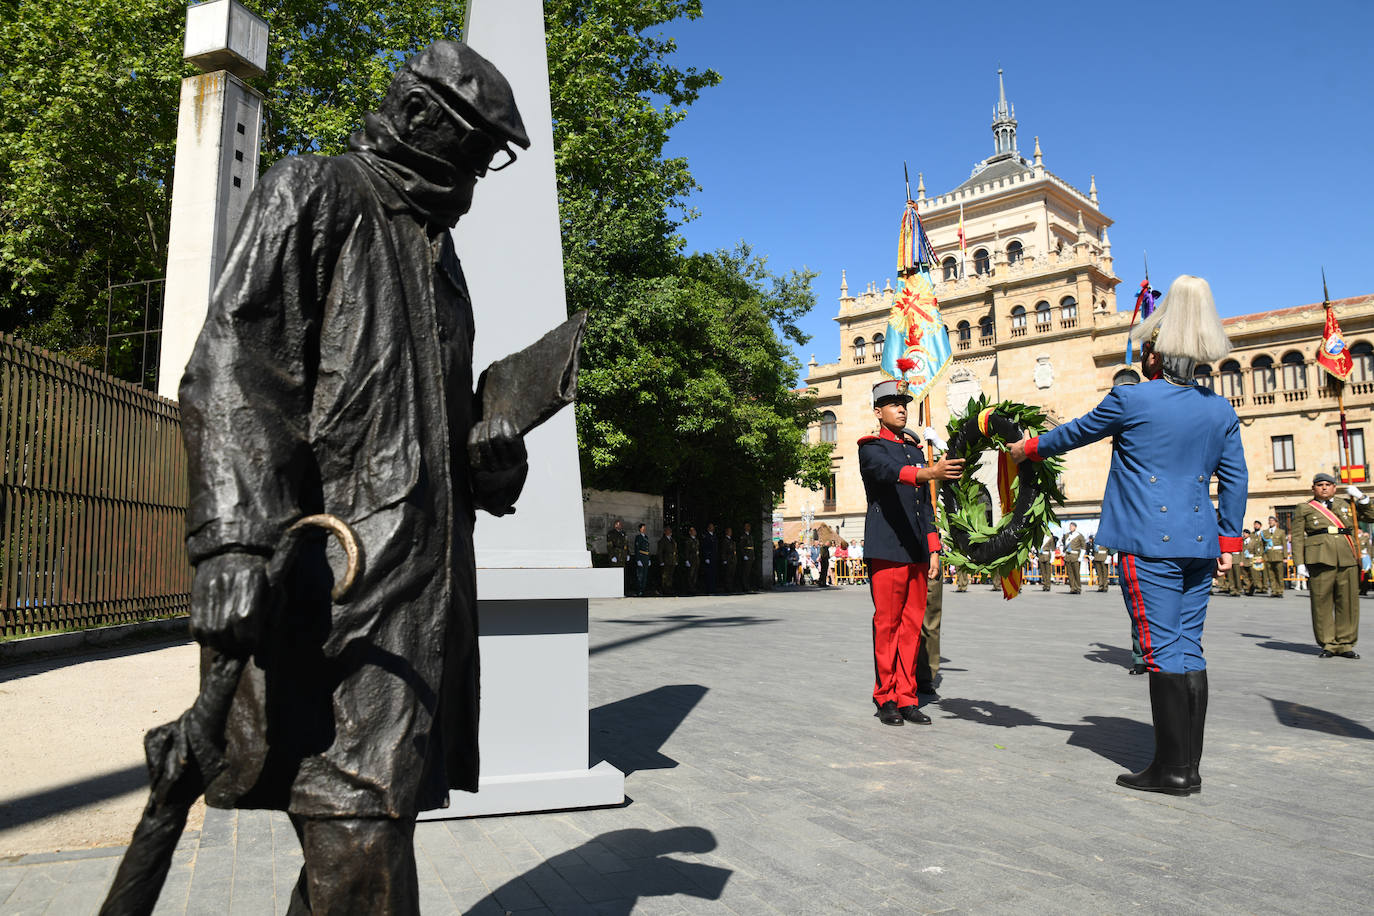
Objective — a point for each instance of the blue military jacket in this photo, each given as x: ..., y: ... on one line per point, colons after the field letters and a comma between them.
x: 1167, y: 443
x: 900, y: 525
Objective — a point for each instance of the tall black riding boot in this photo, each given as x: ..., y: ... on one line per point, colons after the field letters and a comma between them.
x: 1168, y: 772
x: 1197, y: 716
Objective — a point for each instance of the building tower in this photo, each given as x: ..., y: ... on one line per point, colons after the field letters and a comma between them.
x: 1003, y: 122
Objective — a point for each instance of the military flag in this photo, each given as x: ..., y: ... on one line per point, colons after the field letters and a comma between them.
x: 1144, y: 307
x: 916, y: 348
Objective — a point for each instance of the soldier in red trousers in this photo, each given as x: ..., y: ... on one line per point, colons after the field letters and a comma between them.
x: 902, y: 548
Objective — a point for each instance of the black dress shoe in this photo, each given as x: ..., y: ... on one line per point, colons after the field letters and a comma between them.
x: 914, y: 715
x: 1138, y: 669
x: 1349, y: 653
x: 888, y: 714
x: 1326, y: 653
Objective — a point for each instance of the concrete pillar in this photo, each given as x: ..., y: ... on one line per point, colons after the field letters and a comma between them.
x: 218, y: 129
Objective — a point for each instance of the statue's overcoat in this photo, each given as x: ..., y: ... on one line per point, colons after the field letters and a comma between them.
x: 334, y: 374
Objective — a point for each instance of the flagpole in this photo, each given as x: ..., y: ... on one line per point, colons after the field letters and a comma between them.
x: 1344, y: 434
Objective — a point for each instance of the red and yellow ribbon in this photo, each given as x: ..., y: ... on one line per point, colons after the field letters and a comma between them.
x: 1006, y: 473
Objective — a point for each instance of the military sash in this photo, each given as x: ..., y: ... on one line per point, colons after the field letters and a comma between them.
x: 1336, y: 522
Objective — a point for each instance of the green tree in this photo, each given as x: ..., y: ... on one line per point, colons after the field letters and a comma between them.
x: 88, y: 115
x: 687, y: 385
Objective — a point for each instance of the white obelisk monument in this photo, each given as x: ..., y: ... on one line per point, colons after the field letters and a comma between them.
x: 218, y: 128
x: 534, y: 574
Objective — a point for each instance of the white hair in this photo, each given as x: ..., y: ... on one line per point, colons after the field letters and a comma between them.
x: 1186, y: 323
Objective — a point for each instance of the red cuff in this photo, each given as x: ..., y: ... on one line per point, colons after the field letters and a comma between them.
x: 1229, y: 545
x: 933, y: 540
x: 908, y: 475
x: 1033, y: 448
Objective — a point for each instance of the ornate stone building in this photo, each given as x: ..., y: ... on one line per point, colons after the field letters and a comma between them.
x: 1032, y: 312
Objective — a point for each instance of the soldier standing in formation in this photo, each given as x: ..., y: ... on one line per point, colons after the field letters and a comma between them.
x: 641, y: 560
x: 1254, y: 544
x: 1102, y: 558
x: 691, y: 560
x: 1074, y: 545
x: 618, y: 549
x: 1325, y: 549
x: 667, y: 560
x: 1273, y: 557
x: 1047, y: 563
x: 960, y: 579
x: 710, y: 561
x: 729, y: 560
x: 748, y: 554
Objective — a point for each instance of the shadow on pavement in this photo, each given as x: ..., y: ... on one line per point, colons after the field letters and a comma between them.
x: 674, y: 623
x: 613, y: 871
x: 1301, y: 648
x: 1118, y: 739
x: 628, y: 733
x: 1295, y: 715
x: 1110, y: 655
x: 131, y: 645
x: 38, y: 805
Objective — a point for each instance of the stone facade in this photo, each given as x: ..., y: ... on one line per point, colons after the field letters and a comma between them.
x: 1032, y: 312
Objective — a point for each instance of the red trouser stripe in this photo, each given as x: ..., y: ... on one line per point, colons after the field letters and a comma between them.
x: 1138, y: 608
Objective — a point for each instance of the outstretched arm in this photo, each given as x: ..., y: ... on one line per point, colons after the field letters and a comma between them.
x: 1106, y: 419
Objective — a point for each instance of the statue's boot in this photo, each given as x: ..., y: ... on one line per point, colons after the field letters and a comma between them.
x: 1168, y: 772
x: 1197, y: 718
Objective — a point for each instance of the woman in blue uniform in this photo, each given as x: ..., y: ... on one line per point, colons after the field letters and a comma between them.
x: 1169, y: 438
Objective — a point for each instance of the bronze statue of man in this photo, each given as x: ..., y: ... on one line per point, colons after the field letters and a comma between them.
x: 334, y: 375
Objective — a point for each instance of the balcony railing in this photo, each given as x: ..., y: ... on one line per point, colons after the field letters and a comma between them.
x: 1069, y: 322
x: 965, y: 343
x: 1263, y: 399
x: 1290, y: 397
x: 827, y: 505
x: 1018, y: 331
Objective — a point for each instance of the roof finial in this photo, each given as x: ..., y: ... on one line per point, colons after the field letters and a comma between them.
x: 920, y: 186
x: 844, y: 285
x: 1038, y: 163
x: 1003, y: 121
x: 1092, y: 189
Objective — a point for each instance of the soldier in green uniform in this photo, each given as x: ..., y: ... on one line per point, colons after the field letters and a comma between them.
x: 748, y: 556
x: 618, y: 551
x: 729, y: 560
x: 1325, y: 549
x: 928, y: 654
x: 667, y: 560
x: 1074, y: 545
x: 1273, y: 557
x: 691, y: 560
x: 1047, y: 563
x: 642, y: 558
x: 1102, y: 558
x: 1233, y: 578
x: 1258, y: 575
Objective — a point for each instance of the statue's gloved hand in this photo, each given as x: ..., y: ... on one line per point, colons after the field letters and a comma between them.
x: 228, y: 600
x: 499, y: 462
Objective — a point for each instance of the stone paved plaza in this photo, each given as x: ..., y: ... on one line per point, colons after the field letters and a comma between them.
x: 758, y: 781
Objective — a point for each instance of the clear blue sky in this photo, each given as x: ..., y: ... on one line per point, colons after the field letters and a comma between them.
x: 1232, y: 140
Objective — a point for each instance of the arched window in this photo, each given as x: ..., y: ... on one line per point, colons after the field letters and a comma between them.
x: 1294, y: 371
x: 1068, y: 308
x: 1232, y: 386
x: 859, y: 347
x: 982, y: 264
x: 1126, y: 377
x: 1262, y: 369
x: 1018, y: 316
x: 1042, y: 313
x: 985, y: 326
x: 1015, y: 251
x: 828, y: 427
x: 877, y: 346
x: 1363, y: 355
x: 951, y: 268
x: 1202, y: 375
x: 965, y: 330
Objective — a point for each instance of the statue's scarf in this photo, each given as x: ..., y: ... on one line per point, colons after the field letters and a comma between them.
x: 431, y: 186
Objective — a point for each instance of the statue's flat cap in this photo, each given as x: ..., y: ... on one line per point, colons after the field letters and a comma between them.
x: 470, y: 85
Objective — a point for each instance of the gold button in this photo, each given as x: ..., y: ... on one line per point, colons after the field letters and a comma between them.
x: 1152, y: 478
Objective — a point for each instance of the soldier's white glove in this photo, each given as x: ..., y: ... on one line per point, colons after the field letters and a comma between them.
x: 1302, y: 570
x: 933, y: 437
x: 1354, y: 493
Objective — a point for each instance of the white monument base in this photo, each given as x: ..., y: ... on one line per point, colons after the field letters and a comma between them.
x: 533, y: 642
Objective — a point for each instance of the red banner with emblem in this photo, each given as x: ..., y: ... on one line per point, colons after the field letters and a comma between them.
x: 1334, y: 354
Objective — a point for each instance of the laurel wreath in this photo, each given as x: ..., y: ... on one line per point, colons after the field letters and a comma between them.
x: 972, y: 543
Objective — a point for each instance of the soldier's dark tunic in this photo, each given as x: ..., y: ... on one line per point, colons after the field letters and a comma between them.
x: 691, y: 562
x: 729, y: 562
x: 667, y: 561
x: 334, y: 375
x: 747, y: 555
x: 710, y: 561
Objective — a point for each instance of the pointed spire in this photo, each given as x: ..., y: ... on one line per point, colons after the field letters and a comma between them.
x: 888, y: 288
x: 1039, y: 163
x: 844, y: 285
x: 1092, y: 189
x: 1106, y: 240
x: 1003, y: 121
x: 1081, y: 230
x: 920, y: 186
